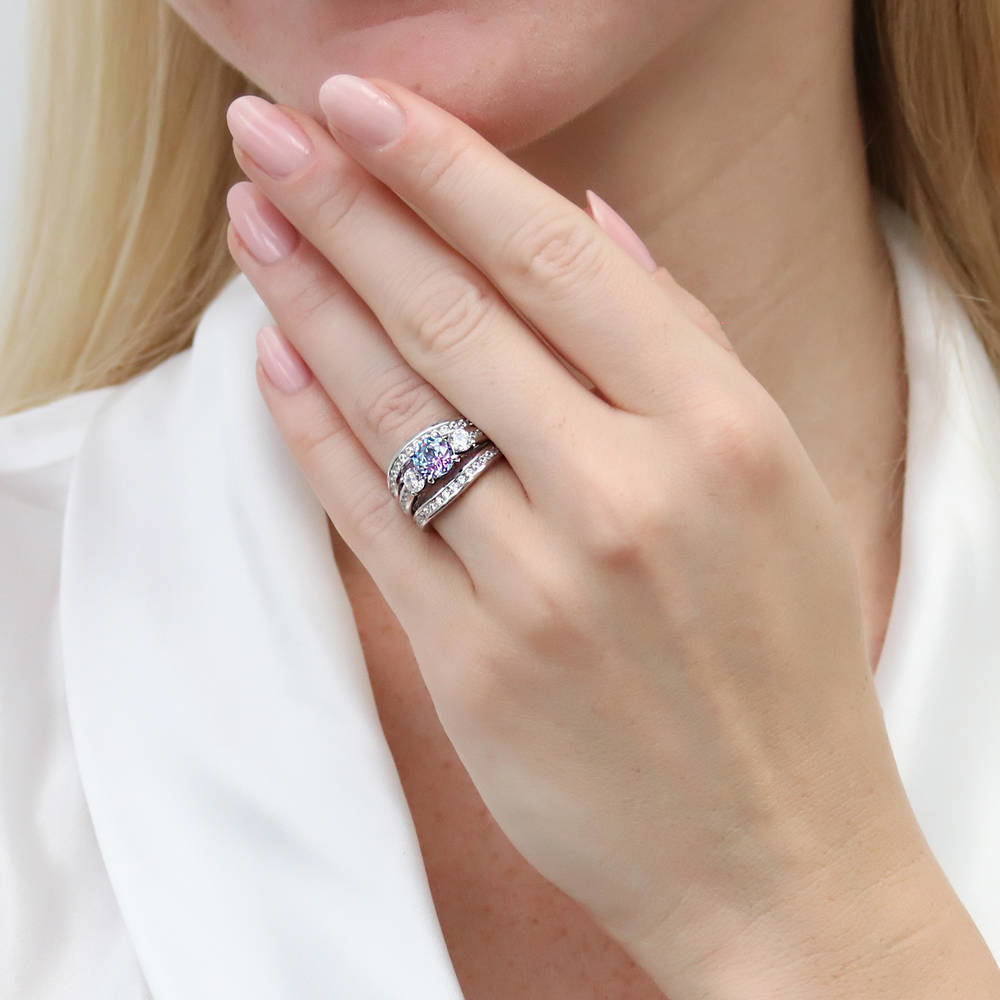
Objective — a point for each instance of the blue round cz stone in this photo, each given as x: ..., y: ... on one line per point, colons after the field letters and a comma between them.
x: 434, y: 457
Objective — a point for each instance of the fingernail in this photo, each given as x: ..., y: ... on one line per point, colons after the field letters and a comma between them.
x: 620, y: 231
x: 270, y: 137
x: 268, y: 235
x: 363, y: 112
x: 282, y: 364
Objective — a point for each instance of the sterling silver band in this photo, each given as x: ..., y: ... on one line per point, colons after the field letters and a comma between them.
x: 444, y: 496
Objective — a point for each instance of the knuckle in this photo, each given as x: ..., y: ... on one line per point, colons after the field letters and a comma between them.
x: 395, y: 399
x: 308, y: 298
x: 624, y: 529
x: 448, y: 311
x: 740, y: 445
x: 539, y: 610
x: 315, y: 438
x: 440, y: 165
x: 624, y: 533
x: 330, y: 194
x: 318, y: 441
x: 560, y: 252
x: 373, y: 513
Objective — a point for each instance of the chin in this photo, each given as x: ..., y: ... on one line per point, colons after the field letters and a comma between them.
x: 510, y: 76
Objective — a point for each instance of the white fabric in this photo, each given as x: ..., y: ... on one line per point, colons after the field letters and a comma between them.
x: 196, y: 797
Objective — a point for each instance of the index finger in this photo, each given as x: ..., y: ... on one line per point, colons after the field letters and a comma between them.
x: 598, y: 306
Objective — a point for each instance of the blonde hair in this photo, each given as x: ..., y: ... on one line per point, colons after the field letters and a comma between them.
x: 123, y: 217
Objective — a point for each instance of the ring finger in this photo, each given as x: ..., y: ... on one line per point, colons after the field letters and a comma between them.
x: 380, y: 396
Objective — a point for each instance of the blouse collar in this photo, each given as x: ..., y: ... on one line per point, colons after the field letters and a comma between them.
x: 244, y: 797
x: 938, y: 677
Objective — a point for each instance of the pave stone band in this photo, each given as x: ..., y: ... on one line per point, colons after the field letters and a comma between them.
x: 444, y: 496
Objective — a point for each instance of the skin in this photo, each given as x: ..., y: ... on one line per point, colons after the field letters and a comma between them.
x: 731, y: 88
x: 753, y: 140
x: 532, y: 82
x: 676, y: 658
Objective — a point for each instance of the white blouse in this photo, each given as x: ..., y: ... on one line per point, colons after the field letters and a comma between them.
x: 197, y: 800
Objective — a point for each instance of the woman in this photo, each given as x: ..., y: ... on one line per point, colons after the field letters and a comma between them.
x: 622, y: 712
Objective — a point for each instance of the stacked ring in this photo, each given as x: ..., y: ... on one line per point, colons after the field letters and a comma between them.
x: 455, y: 451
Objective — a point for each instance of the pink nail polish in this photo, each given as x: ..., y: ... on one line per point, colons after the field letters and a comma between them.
x: 270, y: 137
x: 268, y: 235
x: 620, y: 231
x: 360, y: 110
x: 282, y: 364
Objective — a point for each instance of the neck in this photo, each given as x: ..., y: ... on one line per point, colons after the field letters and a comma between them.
x: 738, y: 156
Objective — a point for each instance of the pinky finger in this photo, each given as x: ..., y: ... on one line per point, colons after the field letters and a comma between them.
x: 409, y: 566
x: 628, y: 239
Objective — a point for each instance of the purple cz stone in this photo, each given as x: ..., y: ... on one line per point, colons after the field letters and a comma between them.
x: 433, y: 457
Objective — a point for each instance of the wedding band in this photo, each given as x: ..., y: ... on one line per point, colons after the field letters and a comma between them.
x: 452, y: 450
x: 454, y: 487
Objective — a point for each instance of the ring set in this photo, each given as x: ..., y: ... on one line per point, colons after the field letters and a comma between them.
x: 438, y: 464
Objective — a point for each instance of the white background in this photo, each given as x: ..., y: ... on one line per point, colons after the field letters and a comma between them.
x: 12, y: 98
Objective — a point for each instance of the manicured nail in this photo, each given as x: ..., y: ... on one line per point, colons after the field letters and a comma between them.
x: 282, y: 364
x: 620, y: 231
x: 267, y: 234
x: 270, y: 137
x: 363, y: 112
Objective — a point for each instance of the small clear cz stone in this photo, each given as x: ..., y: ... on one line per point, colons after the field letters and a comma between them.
x: 413, y: 481
x: 461, y: 439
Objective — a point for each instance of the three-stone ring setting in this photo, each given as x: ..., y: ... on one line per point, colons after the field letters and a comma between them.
x: 450, y: 452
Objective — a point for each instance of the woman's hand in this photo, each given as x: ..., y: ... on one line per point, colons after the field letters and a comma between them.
x: 642, y: 631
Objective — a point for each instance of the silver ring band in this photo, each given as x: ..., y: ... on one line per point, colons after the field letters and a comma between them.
x: 476, y: 465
